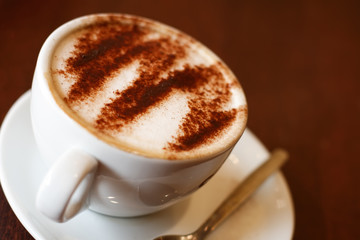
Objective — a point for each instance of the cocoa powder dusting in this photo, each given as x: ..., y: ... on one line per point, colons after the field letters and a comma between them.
x: 201, y: 127
x: 145, y: 93
x: 107, y: 47
x: 207, y: 118
x: 97, y: 56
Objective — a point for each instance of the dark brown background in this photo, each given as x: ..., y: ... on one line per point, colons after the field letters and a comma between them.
x: 298, y: 61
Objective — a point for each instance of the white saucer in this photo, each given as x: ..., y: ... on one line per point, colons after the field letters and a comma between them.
x: 268, y: 214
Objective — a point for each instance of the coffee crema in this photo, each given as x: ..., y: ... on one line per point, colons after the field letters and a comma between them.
x: 147, y: 88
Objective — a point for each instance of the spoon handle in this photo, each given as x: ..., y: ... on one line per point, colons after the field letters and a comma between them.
x: 244, y: 190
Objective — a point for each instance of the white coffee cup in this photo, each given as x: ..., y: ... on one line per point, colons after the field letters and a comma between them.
x: 86, y: 172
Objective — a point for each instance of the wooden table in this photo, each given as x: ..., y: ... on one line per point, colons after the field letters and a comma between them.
x: 299, y: 63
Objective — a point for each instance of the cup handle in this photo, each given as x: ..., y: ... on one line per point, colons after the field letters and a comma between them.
x: 64, y: 190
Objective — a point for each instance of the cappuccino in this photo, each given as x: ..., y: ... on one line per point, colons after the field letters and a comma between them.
x: 147, y: 88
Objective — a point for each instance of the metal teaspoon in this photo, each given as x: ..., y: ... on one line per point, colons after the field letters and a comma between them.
x: 236, y: 198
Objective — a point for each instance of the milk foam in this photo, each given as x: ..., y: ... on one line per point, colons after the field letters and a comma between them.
x: 153, y: 131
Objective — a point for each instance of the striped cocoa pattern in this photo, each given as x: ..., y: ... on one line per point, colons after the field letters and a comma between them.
x: 108, y: 46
